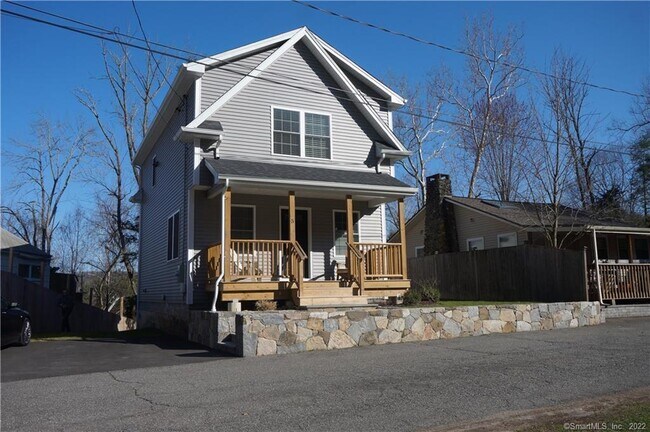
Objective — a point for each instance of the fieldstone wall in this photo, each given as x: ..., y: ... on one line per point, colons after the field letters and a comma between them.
x: 211, y: 329
x: 281, y: 332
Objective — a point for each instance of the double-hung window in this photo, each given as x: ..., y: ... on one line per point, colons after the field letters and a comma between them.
x: 507, y: 240
x: 299, y: 133
x: 172, y: 236
x: 242, y: 222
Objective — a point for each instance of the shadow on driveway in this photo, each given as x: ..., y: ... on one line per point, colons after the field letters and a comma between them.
x: 101, y: 354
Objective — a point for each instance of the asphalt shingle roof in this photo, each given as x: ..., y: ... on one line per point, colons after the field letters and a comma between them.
x: 263, y: 170
x: 532, y: 214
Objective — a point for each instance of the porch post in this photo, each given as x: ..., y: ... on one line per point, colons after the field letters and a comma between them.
x: 227, y: 203
x: 595, y: 243
x: 292, y: 216
x: 630, y: 246
x: 402, y: 236
x: 350, y: 219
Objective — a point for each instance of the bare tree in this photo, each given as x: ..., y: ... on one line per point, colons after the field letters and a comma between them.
x: 122, y: 129
x: 74, y: 242
x: 578, y: 124
x: 418, y: 129
x: 508, y: 139
x: 46, y: 166
x: 492, y: 74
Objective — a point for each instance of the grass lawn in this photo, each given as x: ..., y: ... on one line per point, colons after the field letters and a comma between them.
x: 633, y: 416
x: 129, y: 334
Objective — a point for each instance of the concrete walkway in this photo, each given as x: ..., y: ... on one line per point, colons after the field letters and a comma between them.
x: 407, y: 386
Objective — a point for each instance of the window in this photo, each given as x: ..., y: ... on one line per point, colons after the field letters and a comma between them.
x: 623, y: 251
x: 172, y: 236
x: 641, y: 249
x: 317, y: 136
x: 475, y: 244
x: 507, y: 240
x: 603, y: 250
x: 419, y: 251
x: 242, y: 225
x: 28, y: 271
x: 298, y: 133
x: 286, y: 132
x: 154, y: 165
x: 341, y: 231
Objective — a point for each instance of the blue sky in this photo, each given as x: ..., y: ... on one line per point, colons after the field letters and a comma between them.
x: 42, y: 66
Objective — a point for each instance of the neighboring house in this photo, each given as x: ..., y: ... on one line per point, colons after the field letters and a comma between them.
x: 22, y: 259
x: 265, y: 174
x: 463, y: 224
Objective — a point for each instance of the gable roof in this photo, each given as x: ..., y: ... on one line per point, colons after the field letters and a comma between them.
x: 413, y: 219
x: 330, y: 58
x: 9, y: 240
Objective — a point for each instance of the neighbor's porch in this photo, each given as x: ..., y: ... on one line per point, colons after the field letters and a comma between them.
x: 619, y: 268
x: 307, y: 247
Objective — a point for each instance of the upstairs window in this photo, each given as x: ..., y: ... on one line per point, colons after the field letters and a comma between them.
x: 303, y: 134
x: 172, y: 236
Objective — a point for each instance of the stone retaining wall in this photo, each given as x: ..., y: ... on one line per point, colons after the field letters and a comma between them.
x: 280, y: 332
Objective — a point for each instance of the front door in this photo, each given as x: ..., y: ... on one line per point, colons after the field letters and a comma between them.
x: 302, y: 232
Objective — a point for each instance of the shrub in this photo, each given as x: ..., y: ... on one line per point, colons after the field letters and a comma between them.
x: 428, y: 290
x: 265, y: 305
x: 412, y: 297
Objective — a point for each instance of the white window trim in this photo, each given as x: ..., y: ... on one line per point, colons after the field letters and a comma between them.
x: 309, y: 237
x: 302, y: 133
x: 475, y: 239
x: 177, y: 212
x: 417, y: 248
x: 514, y: 234
x: 254, y: 207
x: 334, y: 229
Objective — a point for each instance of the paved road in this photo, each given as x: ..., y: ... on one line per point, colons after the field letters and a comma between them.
x: 395, y: 387
x: 48, y: 359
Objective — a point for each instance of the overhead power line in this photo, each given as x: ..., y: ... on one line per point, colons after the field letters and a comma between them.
x: 459, y: 51
x: 150, y: 50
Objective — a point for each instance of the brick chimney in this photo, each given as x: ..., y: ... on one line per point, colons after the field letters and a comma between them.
x: 439, y: 221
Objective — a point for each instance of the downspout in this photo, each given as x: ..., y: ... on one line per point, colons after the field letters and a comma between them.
x: 600, y: 293
x: 223, y: 247
x: 381, y: 159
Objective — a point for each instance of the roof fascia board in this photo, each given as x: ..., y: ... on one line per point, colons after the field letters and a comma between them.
x: 358, y: 100
x: 247, y: 79
x: 247, y: 49
x: 184, y: 78
x: 485, y: 213
x: 395, y: 99
x: 375, y: 189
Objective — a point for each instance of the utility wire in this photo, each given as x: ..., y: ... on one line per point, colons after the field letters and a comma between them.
x: 132, y: 45
x: 164, y: 75
x: 459, y: 51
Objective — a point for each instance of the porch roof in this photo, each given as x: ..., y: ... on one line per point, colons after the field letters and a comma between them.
x: 306, y: 176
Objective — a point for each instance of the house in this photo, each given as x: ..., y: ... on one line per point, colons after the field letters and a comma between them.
x: 265, y: 176
x: 618, y: 254
x: 24, y: 260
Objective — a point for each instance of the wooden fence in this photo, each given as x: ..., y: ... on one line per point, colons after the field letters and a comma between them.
x: 521, y: 273
x: 43, y: 307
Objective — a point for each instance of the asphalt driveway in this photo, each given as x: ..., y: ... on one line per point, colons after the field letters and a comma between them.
x: 410, y: 386
x: 61, y: 358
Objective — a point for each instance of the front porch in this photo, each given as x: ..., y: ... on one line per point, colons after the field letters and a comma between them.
x: 340, y: 271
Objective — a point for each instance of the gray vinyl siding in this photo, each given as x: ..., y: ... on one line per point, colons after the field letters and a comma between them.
x: 157, y: 275
x: 414, y: 235
x: 217, y: 81
x: 246, y: 118
x: 372, y: 97
x: 471, y: 224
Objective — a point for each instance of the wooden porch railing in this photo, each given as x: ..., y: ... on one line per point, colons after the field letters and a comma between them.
x: 382, y: 260
x: 206, y: 264
x: 296, y: 268
x: 625, y: 281
x: 356, y: 266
